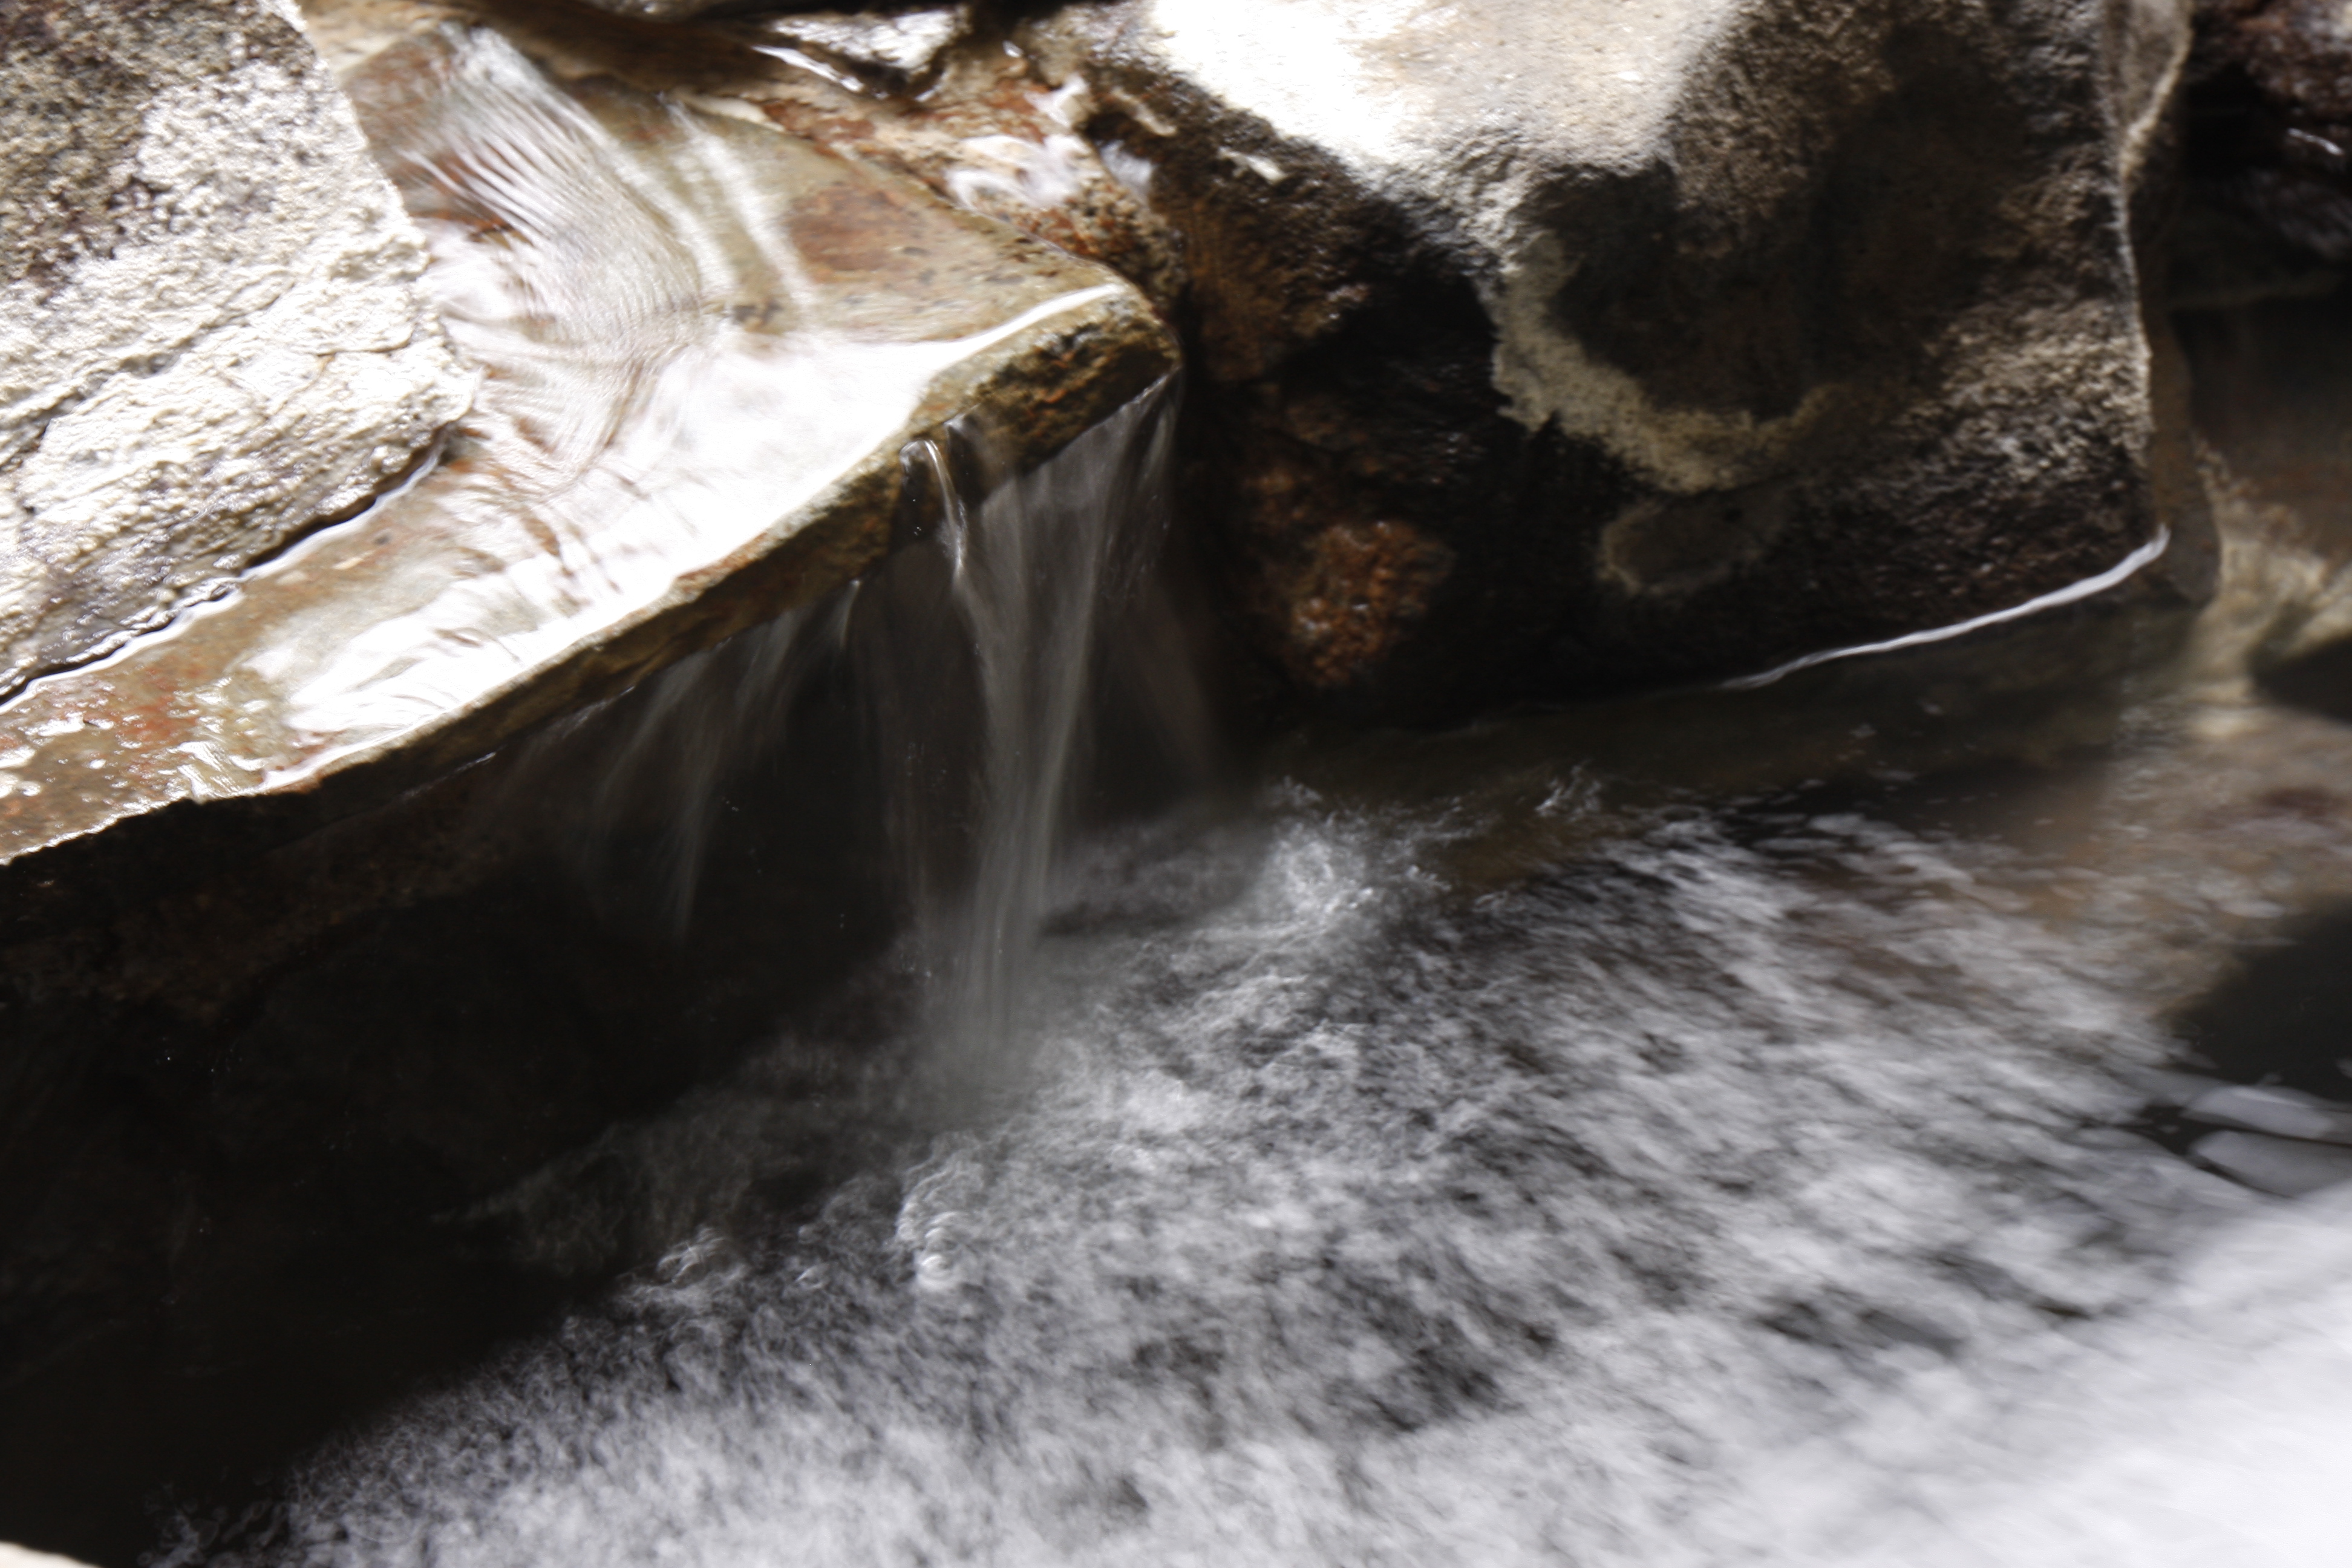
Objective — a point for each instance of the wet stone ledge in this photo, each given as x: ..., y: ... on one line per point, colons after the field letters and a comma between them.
x: 703, y: 346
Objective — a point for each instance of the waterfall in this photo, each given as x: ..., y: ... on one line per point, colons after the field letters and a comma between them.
x: 975, y: 655
x: 984, y: 643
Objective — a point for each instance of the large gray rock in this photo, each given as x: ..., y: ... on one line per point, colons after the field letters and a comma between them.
x: 210, y: 333
x: 1542, y: 345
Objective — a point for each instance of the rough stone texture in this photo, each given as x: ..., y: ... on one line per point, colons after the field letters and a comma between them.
x: 210, y: 335
x: 706, y: 345
x: 1544, y: 347
x: 2270, y: 86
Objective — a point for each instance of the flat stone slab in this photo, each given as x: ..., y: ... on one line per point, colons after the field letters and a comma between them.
x: 2285, y: 1166
x: 2280, y: 1112
x: 703, y: 346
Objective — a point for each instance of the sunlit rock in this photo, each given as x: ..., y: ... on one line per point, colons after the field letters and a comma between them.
x: 210, y: 333
x: 23, y: 1557
x: 895, y: 49
x: 1545, y: 346
x: 704, y: 345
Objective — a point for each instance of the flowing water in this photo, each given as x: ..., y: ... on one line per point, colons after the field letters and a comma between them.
x: 929, y: 1103
x: 1729, y: 1127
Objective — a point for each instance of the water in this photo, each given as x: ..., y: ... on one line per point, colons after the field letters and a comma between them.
x: 1347, y: 1219
x: 1014, y: 586
x: 1693, y: 1130
x: 979, y: 655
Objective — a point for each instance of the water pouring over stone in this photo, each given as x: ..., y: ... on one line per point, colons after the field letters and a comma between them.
x: 813, y: 941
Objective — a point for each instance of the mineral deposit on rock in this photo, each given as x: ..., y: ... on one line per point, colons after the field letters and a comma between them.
x: 211, y: 337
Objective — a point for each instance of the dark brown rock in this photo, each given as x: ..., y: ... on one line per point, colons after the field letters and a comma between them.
x: 2270, y: 92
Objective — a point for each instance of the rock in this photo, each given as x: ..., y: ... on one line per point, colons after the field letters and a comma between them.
x: 1539, y: 348
x: 2170, y: 1090
x: 2280, y: 1112
x: 21, y: 1557
x: 2271, y: 97
x: 2280, y: 1165
x: 895, y: 49
x: 706, y: 345
x: 210, y: 336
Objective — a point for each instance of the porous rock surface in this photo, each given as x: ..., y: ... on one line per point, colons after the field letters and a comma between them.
x: 210, y: 333
x: 1544, y: 345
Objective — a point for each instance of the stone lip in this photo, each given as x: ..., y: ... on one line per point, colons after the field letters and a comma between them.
x: 705, y: 344
x: 211, y: 337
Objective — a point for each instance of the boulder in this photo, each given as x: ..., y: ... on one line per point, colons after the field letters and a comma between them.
x: 211, y: 337
x: 2270, y: 86
x: 1540, y: 347
x: 706, y: 346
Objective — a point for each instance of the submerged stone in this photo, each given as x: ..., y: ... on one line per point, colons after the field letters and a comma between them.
x: 2285, y: 1166
x: 704, y: 345
x: 2280, y: 1112
x: 211, y: 337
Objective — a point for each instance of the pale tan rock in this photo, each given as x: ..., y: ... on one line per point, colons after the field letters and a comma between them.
x: 210, y: 334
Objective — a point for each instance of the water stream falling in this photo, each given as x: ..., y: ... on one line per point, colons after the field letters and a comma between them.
x: 905, y: 1086
x: 1014, y: 587
x: 977, y: 657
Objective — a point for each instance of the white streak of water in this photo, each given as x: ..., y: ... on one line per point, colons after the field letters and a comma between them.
x: 2072, y: 594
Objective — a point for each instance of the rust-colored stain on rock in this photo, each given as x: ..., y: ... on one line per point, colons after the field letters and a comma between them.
x: 1361, y: 589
